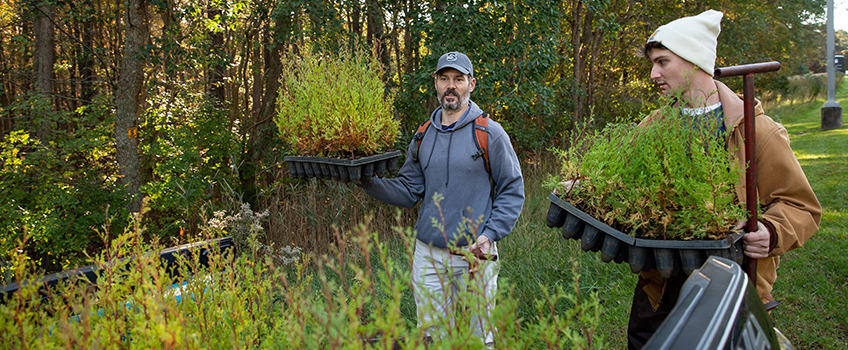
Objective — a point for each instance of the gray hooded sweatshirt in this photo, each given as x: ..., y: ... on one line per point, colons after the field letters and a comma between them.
x: 446, y: 167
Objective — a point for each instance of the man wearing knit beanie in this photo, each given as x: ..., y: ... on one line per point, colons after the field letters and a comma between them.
x: 683, y: 54
x: 693, y: 41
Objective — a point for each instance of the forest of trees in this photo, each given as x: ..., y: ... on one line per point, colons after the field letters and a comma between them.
x: 104, y: 103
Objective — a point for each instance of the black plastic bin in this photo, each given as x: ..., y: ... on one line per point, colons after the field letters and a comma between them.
x: 718, y: 308
x: 345, y: 170
x: 669, y: 257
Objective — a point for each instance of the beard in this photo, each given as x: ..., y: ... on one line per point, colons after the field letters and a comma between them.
x: 460, y: 100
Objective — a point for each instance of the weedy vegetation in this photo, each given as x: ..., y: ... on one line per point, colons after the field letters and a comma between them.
x: 356, y: 297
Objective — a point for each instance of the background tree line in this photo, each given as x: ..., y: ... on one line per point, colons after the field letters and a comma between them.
x: 104, y: 103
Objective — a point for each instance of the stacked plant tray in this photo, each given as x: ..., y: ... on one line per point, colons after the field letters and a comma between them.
x: 344, y: 170
x: 669, y: 257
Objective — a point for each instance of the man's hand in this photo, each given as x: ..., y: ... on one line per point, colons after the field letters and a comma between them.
x: 755, y: 244
x: 569, y: 186
x: 480, y: 247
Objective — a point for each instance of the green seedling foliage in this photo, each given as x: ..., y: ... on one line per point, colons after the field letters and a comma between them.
x: 672, y: 178
x: 336, y: 105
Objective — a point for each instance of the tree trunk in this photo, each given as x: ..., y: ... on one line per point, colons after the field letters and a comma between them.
x: 128, y: 99
x: 258, y: 83
x: 354, y: 22
x: 44, y: 57
x: 408, y: 43
x: 396, y: 42
x: 264, y: 111
x: 593, y: 60
x: 577, y: 65
x: 584, y: 41
x: 86, y: 65
x: 216, y: 69
x: 7, y: 93
x: 377, y: 30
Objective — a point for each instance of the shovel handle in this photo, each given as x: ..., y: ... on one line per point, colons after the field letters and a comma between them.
x: 747, y: 72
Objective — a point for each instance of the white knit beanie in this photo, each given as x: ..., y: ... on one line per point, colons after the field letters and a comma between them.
x: 692, y: 38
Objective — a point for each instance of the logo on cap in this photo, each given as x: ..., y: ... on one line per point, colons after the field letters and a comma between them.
x: 653, y: 35
x: 451, y: 57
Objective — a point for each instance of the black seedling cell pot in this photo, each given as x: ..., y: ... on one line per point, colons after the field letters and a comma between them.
x: 669, y: 257
x: 344, y: 170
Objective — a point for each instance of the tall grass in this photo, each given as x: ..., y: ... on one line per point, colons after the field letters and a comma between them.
x: 800, y: 89
x: 355, y: 297
x: 307, y: 213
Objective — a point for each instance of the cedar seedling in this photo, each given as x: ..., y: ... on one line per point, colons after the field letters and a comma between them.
x: 336, y: 106
x: 672, y: 178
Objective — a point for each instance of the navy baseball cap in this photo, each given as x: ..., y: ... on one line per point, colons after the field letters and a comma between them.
x: 455, y: 60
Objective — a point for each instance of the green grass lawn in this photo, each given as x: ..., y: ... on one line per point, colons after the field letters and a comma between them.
x: 812, y: 281
x: 534, y: 255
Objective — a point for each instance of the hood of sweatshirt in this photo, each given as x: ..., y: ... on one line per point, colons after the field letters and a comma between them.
x: 472, y: 112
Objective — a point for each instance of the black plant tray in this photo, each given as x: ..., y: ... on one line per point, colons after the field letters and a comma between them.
x: 669, y: 257
x: 91, y: 274
x: 342, y: 169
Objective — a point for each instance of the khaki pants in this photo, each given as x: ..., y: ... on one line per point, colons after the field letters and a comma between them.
x: 438, y: 277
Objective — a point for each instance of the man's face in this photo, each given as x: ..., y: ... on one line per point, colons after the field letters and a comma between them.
x: 453, y: 89
x: 672, y: 73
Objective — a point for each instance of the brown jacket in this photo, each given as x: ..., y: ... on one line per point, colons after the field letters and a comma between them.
x: 792, y: 211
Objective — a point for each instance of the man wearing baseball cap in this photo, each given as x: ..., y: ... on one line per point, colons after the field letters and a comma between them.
x: 683, y: 54
x: 479, y: 203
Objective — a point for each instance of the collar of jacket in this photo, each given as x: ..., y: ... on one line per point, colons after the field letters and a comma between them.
x: 733, y: 106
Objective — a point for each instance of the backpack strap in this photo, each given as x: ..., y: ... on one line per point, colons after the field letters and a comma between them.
x: 481, y: 139
x: 419, y: 135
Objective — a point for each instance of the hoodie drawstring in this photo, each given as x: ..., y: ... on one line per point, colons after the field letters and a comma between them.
x: 432, y: 148
x: 447, y: 165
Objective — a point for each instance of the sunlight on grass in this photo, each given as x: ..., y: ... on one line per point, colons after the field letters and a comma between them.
x: 811, y: 279
x: 802, y: 156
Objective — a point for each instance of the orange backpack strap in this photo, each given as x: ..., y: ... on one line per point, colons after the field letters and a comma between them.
x: 481, y: 139
x: 419, y: 135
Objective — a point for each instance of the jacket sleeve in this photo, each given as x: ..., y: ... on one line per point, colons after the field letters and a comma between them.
x: 405, y: 190
x: 790, y: 205
x: 508, y: 199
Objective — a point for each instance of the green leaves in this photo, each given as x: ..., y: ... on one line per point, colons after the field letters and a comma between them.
x: 668, y: 179
x: 336, y: 105
x: 55, y: 192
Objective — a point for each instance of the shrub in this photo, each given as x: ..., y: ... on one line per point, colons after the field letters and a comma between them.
x: 353, y: 299
x: 58, y: 190
x: 192, y: 152
x: 336, y: 106
x: 669, y: 179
